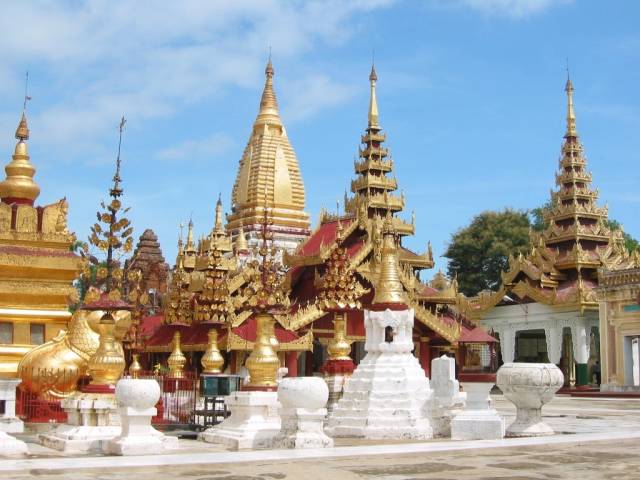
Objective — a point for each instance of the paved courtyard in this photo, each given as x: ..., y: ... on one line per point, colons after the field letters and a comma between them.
x: 598, y: 439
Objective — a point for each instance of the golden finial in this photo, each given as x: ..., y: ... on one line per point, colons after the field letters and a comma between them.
x: 373, y: 102
x: 212, y: 361
x: 388, y: 288
x: 19, y: 185
x: 571, y: 115
x: 176, y: 360
x: 135, y: 368
x: 268, y: 113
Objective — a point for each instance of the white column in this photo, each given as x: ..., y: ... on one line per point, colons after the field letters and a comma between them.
x: 507, y: 343
x: 553, y: 337
x: 580, y: 337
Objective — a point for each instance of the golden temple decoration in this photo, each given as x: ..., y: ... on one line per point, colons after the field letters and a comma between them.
x: 269, y: 165
x: 263, y: 362
x: 339, y: 347
x: 212, y: 361
x: 107, y: 364
x: 176, y: 360
x: 241, y: 245
x: 19, y: 185
x: 388, y: 286
x: 135, y: 368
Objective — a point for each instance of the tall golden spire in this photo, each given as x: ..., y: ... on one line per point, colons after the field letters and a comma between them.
x: 191, y: 246
x: 373, y: 102
x: 269, y: 164
x: 268, y: 113
x: 571, y: 115
x: 19, y: 186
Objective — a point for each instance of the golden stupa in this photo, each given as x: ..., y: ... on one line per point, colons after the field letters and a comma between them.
x: 37, y: 267
x: 269, y: 177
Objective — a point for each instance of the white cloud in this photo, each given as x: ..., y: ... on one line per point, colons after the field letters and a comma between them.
x: 151, y: 59
x: 507, y: 8
x: 309, y: 95
x: 199, y: 149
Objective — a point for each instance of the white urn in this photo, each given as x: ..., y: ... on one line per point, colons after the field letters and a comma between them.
x: 529, y: 386
x: 137, y: 393
x: 311, y: 393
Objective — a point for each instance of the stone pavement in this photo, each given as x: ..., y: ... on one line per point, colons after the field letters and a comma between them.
x: 599, y: 439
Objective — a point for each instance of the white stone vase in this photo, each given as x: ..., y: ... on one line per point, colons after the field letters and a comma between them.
x: 529, y: 386
x: 311, y: 393
x: 137, y: 393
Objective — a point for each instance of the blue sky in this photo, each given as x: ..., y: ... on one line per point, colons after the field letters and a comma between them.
x: 470, y: 94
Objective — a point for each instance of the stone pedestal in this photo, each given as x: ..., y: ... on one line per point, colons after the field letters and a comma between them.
x: 136, y: 400
x: 387, y: 395
x: 11, y: 447
x: 447, y: 401
x: 8, y: 420
x: 478, y: 421
x: 529, y: 386
x: 253, y: 422
x: 91, y: 418
x: 302, y: 412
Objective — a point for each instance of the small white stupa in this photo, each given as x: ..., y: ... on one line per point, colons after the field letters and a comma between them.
x: 388, y: 392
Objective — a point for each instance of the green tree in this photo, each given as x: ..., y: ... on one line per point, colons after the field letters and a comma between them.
x: 479, y: 252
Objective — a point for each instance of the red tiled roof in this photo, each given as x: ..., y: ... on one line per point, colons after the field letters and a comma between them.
x: 247, y: 331
x: 163, y: 336
x: 475, y: 335
x: 149, y: 324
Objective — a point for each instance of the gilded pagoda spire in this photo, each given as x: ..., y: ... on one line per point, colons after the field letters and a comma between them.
x: 19, y: 186
x: 571, y: 115
x: 269, y: 164
x: 268, y: 113
x: 373, y: 102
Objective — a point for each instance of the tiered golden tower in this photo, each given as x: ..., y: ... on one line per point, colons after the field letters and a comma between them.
x: 36, y: 266
x: 269, y: 177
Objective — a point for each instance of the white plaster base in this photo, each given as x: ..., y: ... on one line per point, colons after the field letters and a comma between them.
x: 137, y: 436
x: 478, y: 421
x: 388, y: 393
x: 302, y: 428
x: 11, y: 425
x: 11, y: 447
x: 91, y: 419
x: 384, y: 399
x: 447, y: 401
x: 253, y: 422
x: 8, y: 421
x: 78, y: 438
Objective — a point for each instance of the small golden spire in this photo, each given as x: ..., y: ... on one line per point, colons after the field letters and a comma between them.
x: 373, y: 102
x: 135, y: 368
x: 268, y: 113
x: 191, y: 247
x: 19, y: 185
x: 388, y: 288
x: 571, y: 115
x: 212, y: 361
x: 218, y: 228
x: 176, y: 360
x: 241, y: 241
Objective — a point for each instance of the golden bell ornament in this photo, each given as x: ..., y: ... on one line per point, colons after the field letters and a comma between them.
x: 212, y: 361
x: 263, y: 363
x: 339, y: 347
x: 135, y: 368
x: 107, y: 364
x: 176, y: 360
